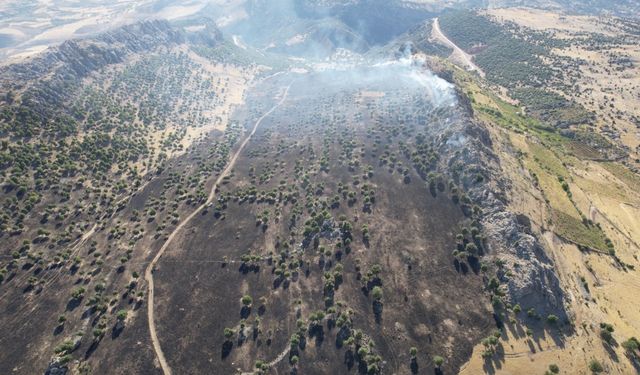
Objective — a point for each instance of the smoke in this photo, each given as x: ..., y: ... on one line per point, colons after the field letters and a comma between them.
x: 333, y: 41
x: 441, y: 92
x: 321, y: 27
x: 406, y: 72
x: 382, y: 81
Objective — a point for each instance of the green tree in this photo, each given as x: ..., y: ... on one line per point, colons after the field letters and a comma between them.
x: 413, y: 352
x: 631, y: 346
x: 595, y: 366
x: 438, y: 361
x: 377, y: 293
x: 122, y: 315
x: 247, y: 300
x: 228, y: 333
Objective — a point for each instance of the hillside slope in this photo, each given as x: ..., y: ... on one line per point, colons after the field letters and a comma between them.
x: 85, y: 127
x: 576, y: 183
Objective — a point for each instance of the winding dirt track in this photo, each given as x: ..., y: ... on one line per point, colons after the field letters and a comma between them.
x: 458, y: 53
x: 148, y: 275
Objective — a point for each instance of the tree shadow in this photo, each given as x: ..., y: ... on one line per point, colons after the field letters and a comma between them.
x: 349, y: 359
x: 474, y: 263
x: 88, y: 312
x: 464, y: 268
x: 117, y: 330
x: 245, y: 311
x: 488, y: 367
x: 377, y: 311
x: 226, y: 349
x: 635, y: 362
x: 302, y: 344
x: 342, y: 335
x: 362, y: 366
x: 432, y: 190
x: 74, y: 269
x: 317, y: 331
x: 246, y: 268
x: 92, y: 348
x: 58, y: 330
x: 73, y: 304
x: 515, y: 330
x: 609, y: 347
x: 497, y: 319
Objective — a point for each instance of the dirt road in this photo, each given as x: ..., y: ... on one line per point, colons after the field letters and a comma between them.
x: 212, y: 195
x: 458, y: 54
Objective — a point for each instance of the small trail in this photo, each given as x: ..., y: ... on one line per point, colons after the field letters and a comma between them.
x: 529, y: 352
x: 277, y: 360
x: 212, y: 195
x: 457, y: 51
x: 594, y: 212
x: 280, y: 357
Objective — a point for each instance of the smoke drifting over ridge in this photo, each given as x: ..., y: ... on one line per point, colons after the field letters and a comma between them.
x: 382, y: 77
x: 342, y: 44
x: 308, y: 28
x: 328, y: 35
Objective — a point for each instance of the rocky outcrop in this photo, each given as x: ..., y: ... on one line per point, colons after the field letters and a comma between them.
x: 56, y: 367
x: 59, y: 363
x: 534, y: 282
x: 466, y: 151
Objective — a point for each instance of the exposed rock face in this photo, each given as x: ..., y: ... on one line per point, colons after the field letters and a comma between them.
x: 534, y: 281
x: 465, y: 148
x: 58, y: 364
x: 56, y: 367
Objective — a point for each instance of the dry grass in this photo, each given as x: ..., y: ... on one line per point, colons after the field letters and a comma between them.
x: 607, y: 194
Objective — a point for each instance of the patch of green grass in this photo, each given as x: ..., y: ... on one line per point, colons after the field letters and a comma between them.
x: 551, y: 187
x: 578, y: 232
x: 547, y: 160
x: 583, y: 151
x: 491, y: 108
x: 624, y: 174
